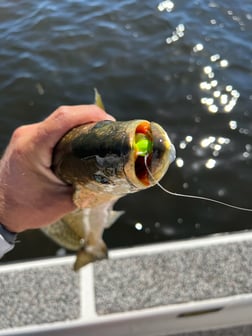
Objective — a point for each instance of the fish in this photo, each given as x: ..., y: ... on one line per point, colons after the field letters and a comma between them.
x: 104, y: 161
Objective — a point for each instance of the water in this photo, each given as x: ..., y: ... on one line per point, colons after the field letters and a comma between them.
x: 185, y: 64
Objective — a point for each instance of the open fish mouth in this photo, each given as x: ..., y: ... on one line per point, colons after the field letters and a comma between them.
x: 150, y: 146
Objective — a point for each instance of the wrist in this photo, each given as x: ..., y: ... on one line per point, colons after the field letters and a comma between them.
x: 7, y: 240
x: 9, y: 236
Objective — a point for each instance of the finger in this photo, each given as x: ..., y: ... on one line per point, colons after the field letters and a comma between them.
x: 54, y: 127
x: 67, y: 117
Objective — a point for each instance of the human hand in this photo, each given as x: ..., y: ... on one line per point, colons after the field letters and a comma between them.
x: 31, y: 196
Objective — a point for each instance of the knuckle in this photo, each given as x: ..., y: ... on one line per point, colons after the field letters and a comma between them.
x: 19, y: 132
x: 61, y: 112
x: 21, y: 139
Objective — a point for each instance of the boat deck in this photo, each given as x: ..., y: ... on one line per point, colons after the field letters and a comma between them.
x: 197, y: 287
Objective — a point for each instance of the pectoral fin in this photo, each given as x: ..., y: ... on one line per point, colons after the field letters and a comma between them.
x: 63, y: 235
x: 112, y: 217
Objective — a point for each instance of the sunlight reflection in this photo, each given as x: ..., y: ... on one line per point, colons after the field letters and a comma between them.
x: 210, y: 164
x: 188, y: 138
x: 215, y: 58
x: 139, y: 226
x: 177, y: 34
x: 185, y: 185
x: 179, y: 162
x: 207, y: 141
x: 198, y: 47
x: 213, y: 144
x: 216, y: 145
x: 166, y: 5
x: 183, y: 143
x: 248, y: 150
x: 233, y: 124
x: 217, y: 97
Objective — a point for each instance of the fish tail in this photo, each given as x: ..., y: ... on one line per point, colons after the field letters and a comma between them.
x: 90, y: 253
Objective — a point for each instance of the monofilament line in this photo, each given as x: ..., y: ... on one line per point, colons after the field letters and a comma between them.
x: 202, y: 198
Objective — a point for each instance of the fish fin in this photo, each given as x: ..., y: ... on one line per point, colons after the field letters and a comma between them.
x: 113, y: 216
x: 88, y: 254
x: 98, y: 99
x: 63, y: 235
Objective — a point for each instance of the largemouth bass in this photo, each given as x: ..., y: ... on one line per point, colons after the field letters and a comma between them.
x: 105, y: 161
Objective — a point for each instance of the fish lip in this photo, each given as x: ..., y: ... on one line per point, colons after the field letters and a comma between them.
x: 163, y: 153
x: 158, y: 160
x: 172, y: 153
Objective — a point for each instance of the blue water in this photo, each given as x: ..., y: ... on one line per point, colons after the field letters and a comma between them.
x: 184, y: 64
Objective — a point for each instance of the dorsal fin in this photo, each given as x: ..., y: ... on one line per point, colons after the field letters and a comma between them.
x: 98, y: 99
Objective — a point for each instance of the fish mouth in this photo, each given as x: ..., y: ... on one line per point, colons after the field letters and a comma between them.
x: 152, y: 148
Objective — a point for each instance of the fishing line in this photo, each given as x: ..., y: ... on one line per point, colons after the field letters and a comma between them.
x: 202, y: 198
